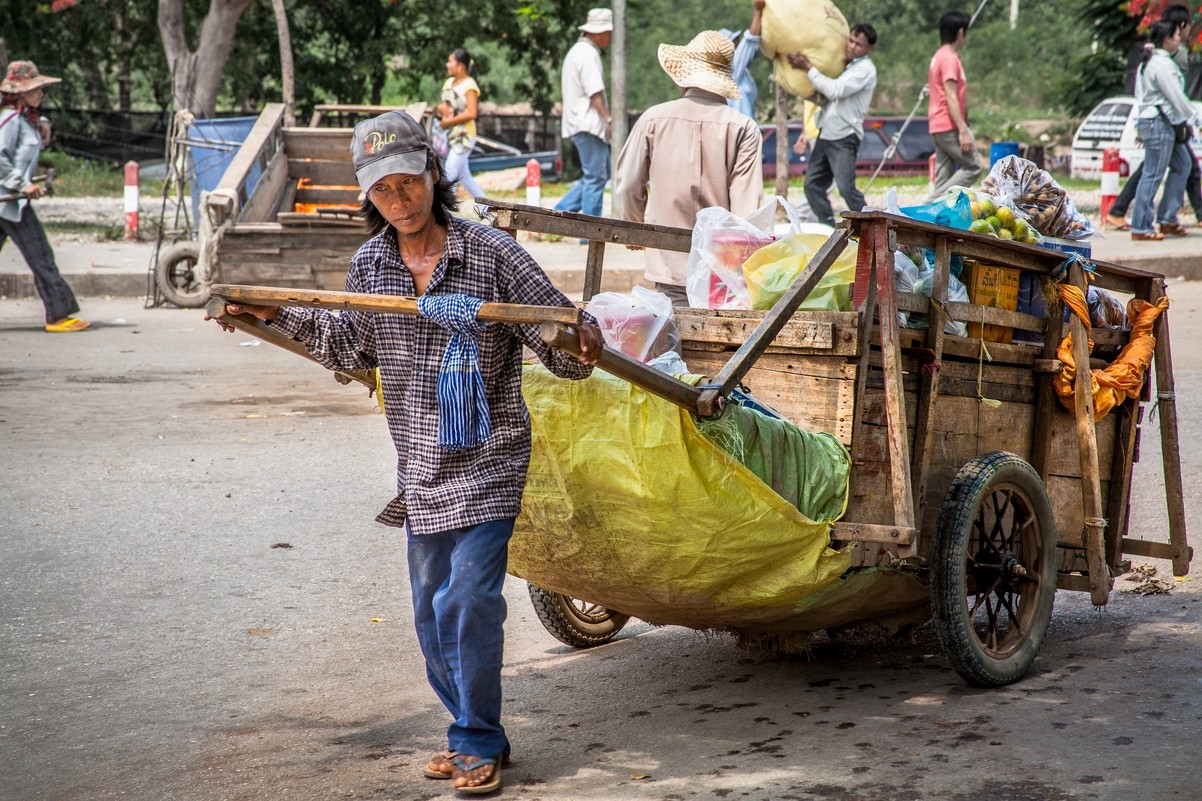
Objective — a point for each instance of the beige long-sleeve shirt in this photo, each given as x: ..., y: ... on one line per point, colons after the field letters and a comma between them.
x: 681, y: 157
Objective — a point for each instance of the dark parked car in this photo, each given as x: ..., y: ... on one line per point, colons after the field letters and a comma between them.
x: 913, y: 149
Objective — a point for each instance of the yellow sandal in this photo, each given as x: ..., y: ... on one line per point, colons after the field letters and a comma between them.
x: 67, y: 325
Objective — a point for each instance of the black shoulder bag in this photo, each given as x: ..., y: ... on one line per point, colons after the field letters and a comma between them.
x: 1181, y: 131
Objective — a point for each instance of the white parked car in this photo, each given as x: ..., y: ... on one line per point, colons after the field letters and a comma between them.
x: 1112, y: 124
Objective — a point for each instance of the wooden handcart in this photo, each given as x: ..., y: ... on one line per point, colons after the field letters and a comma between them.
x: 993, y: 505
x: 968, y: 475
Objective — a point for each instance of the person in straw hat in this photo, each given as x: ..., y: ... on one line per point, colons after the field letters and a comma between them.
x: 585, y: 114
x: 22, y: 137
x: 688, y: 154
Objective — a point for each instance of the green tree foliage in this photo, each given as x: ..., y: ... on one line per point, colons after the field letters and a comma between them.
x: 120, y: 69
x: 1096, y: 73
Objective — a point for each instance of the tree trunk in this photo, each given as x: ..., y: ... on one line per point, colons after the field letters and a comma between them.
x: 617, y: 74
x: 287, y: 71
x: 196, y: 75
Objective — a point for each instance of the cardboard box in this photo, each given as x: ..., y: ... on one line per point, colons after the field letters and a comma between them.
x: 994, y: 286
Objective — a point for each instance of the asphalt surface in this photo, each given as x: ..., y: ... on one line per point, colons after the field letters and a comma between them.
x: 195, y: 604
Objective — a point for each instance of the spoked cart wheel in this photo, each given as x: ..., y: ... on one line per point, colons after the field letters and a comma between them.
x: 177, y: 274
x: 574, y: 622
x: 993, y: 569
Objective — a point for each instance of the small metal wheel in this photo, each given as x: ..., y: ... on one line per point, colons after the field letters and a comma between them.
x: 993, y: 569
x: 178, y: 277
x: 573, y: 622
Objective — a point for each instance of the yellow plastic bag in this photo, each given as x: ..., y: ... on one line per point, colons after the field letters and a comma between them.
x: 813, y: 27
x: 629, y: 506
x: 772, y: 269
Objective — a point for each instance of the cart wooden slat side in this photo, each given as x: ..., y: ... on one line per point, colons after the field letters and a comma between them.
x: 911, y: 411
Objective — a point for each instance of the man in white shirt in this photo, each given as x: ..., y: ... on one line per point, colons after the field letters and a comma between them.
x: 585, y: 114
x: 840, y: 124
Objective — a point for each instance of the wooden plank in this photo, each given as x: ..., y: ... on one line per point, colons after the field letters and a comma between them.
x: 869, y: 532
x: 867, y: 312
x: 322, y: 220
x: 832, y: 333
x: 348, y: 196
x: 928, y: 395
x: 593, y: 265
x: 895, y: 400
x: 514, y: 313
x: 275, y: 236
x: 263, y: 202
x: 816, y: 394
x: 1072, y: 583
x: 260, y: 144
x: 323, y: 172
x: 1153, y: 550
x: 776, y: 319
x: 583, y: 226
x: 1166, y: 404
x: 1118, y: 498
x: 1087, y: 443
x: 333, y: 144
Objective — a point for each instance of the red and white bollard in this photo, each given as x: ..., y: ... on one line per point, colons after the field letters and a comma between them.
x: 931, y: 162
x: 534, y: 183
x: 1110, y: 179
x: 131, y: 201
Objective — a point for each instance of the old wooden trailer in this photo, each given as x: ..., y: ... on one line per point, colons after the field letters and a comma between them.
x: 969, y: 478
x: 974, y: 493
x: 285, y: 212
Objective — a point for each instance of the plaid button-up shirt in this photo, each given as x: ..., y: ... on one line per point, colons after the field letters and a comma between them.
x: 437, y: 489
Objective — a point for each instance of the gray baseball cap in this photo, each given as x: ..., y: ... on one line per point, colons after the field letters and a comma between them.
x: 388, y: 144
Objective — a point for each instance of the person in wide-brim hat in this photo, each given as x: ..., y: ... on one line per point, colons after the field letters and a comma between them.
x: 600, y: 20
x: 704, y: 63
x: 23, y: 76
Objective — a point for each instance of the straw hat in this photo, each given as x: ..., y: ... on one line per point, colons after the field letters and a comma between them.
x: 23, y: 76
x: 703, y: 63
x: 600, y: 20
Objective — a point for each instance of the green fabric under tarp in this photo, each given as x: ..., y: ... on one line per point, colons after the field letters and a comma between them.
x: 629, y: 505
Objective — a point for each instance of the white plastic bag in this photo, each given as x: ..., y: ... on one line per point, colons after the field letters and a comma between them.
x: 722, y: 241
x: 638, y: 323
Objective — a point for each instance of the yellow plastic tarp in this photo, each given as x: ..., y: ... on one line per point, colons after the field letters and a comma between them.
x: 629, y: 506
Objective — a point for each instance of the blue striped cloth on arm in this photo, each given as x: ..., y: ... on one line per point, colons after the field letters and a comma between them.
x: 463, y: 419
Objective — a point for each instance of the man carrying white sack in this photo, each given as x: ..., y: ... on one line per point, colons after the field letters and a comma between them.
x: 691, y: 154
x: 840, y: 123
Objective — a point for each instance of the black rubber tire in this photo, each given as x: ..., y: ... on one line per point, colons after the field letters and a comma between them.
x: 993, y: 569
x: 177, y: 275
x: 575, y: 623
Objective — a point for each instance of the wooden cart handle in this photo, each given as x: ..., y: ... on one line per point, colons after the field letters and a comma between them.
x: 513, y: 313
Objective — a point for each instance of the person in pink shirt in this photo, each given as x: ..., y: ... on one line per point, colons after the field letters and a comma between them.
x: 956, y: 160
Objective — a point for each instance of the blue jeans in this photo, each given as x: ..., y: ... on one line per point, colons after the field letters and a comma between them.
x: 587, y: 193
x: 1161, y: 153
x: 833, y: 159
x: 456, y: 578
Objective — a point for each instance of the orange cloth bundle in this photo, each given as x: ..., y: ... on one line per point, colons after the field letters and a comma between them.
x: 1123, y: 377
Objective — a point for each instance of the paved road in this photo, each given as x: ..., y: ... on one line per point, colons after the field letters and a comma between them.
x: 195, y: 605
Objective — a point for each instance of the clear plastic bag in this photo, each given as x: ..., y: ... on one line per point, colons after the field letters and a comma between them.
x: 905, y: 275
x: 639, y: 323
x: 772, y: 270
x: 956, y: 292
x: 1035, y: 194
x: 722, y: 242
